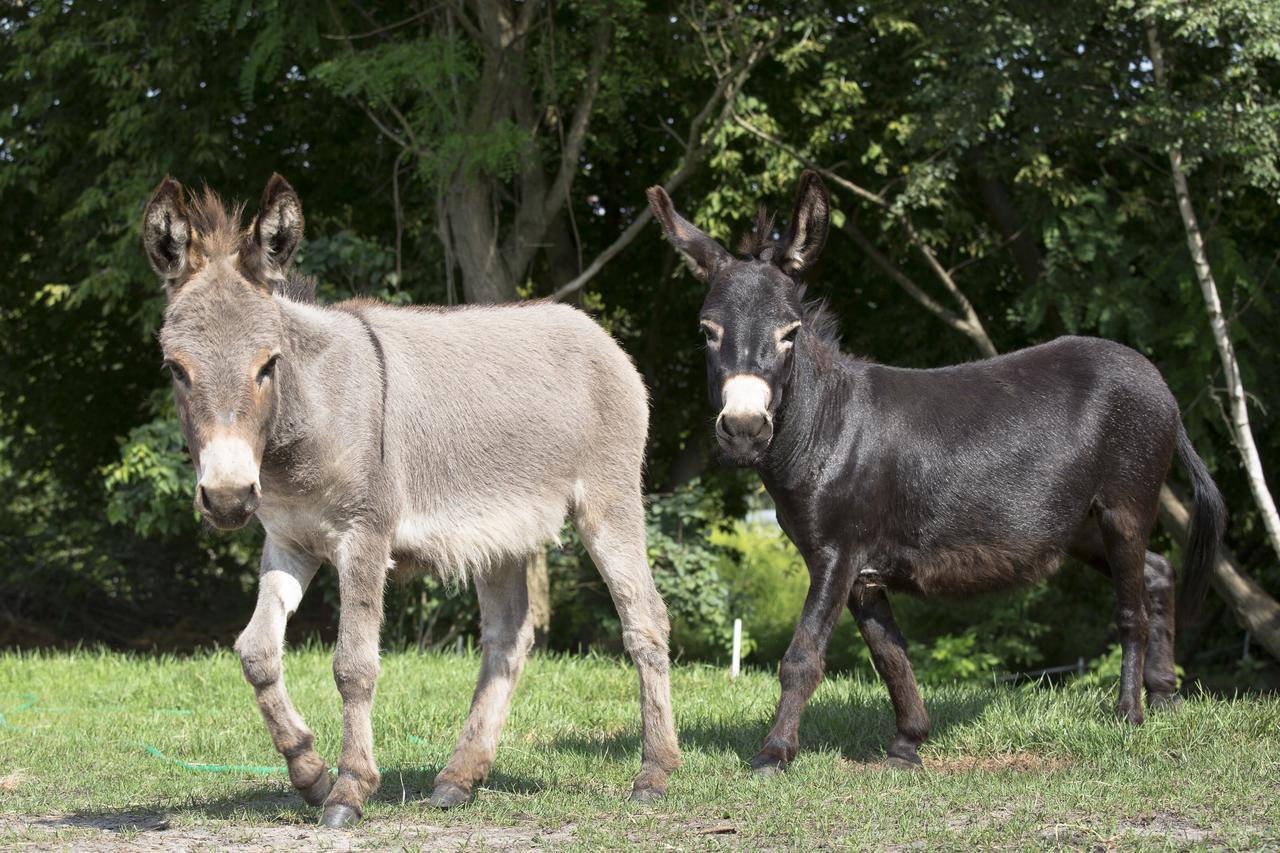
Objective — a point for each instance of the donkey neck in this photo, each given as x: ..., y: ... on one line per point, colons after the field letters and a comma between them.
x: 325, y: 352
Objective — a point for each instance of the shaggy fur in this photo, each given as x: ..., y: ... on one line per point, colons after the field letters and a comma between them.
x: 448, y: 441
x: 947, y: 482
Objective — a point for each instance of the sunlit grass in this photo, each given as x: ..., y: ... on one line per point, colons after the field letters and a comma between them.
x: 99, y: 733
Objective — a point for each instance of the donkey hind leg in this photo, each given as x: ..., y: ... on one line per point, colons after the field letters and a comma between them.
x: 614, y: 535
x: 1158, y: 674
x: 803, y: 664
x: 283, y: 580
x: 507, y: 634
x: 362, y: 572
x: 1124, y: 541
x: 870, y: 607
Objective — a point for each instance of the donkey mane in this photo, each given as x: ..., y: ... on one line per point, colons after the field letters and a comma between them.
x: 218, y: 227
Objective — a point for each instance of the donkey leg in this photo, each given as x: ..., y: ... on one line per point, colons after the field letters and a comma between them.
x: 507, y: 633
x: 1158, y: 674
x: 283, y: 580
x: 804, y: 663
x: 871, y: 610
x: 614, y: 536
x: 361, y: 576
x: 1126, y: 553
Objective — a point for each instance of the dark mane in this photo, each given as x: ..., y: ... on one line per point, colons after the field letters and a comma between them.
x: 218, y: 227
x: 759, y: 240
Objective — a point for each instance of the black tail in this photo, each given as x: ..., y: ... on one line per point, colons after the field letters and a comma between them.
x: 1204, y: 532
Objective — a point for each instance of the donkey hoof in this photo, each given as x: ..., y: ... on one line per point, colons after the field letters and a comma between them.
x: 316, y: 793
x: 1164, y: 702
x: 767, y: 764
x: 898, y: 762
x: 338, y: 816
x: 447, y: 795
x: 1129, y: 713
x: 646, y: 795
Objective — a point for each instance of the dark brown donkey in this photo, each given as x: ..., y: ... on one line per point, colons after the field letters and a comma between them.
x: 378, y: 438
x: 945, y: 482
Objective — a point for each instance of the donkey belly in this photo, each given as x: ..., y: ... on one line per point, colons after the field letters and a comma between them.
x: 962, y: 570
x: 453, y: 543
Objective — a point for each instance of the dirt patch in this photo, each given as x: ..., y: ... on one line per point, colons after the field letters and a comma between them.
x: 1167, y: 828
x: 1013, y: 762
x: 96, y: 833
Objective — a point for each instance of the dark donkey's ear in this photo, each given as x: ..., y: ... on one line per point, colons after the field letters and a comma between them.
x: 167, y: 234
x: 277, y: 229
x: 699, y: 251
x: 807, y: 232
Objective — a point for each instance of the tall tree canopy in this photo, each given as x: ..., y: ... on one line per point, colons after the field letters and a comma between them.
x: 1000, y: 173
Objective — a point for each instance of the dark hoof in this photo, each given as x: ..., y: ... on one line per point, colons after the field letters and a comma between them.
x: 646, y: 795
x: 318, y: 791
x: 1131, y: 714
x: 897, y: 762
x: 339, y: 816
x: 447, y: 795
x: 768, y: 764
x: 1164, y: 702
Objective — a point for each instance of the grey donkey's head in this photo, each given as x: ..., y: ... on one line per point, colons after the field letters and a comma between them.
x: 223, y: 331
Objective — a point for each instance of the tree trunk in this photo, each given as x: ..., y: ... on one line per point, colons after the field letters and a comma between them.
x: 1241, y: 432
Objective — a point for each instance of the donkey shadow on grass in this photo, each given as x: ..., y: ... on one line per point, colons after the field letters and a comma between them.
x: 857, y: 728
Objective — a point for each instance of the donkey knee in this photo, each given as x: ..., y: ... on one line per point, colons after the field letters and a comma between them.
x: 648, y: 646
x: 801, y: 670
x: 356, y: 681
x: 259, y: 661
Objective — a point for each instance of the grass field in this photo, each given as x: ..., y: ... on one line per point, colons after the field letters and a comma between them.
x: 91, y: 745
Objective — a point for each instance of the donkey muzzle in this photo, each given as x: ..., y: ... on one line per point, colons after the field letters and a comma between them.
x: 228, y: 492
x: 744, y: 427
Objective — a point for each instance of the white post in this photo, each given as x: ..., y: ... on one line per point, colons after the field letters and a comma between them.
x: 737, y: 648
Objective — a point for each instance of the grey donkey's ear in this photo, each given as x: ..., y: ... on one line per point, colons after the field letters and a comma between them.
x: 277, y: 229
x: 810, y: 220
x: 167, y: 234
x: 699, y: 251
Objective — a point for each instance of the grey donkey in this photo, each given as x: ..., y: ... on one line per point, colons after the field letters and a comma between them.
x: 379, y: 438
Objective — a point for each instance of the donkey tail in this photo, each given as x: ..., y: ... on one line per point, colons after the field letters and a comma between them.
x: 1208, y: 518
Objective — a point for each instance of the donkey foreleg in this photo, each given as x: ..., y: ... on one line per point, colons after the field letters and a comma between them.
x: 804, y: 663
x: 361, y: 576
x: 870, y: 608
x: 506, y: 630
x: 284, y: 578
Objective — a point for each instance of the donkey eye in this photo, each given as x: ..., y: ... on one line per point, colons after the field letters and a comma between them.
x: 786, y: 336
x: 268, y: 370
x: 178, y: 373
x: 712, y: 332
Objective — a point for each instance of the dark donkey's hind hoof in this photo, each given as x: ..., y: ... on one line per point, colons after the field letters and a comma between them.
x: 338, y: 816
x: 446, y: 795
x: 895, y: 762
x: 1164, y: 702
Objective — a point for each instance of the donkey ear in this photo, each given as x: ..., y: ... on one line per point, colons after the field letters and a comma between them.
x: 809, y: 222
x: 277, y: 230
x: 166, y: 231
x: 699, y: 251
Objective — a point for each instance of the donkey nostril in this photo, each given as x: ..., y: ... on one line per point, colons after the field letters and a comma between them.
x: 725, y: 426
x: 202, y: 499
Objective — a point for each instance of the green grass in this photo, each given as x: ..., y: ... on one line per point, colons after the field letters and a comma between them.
x: 1008, y: 767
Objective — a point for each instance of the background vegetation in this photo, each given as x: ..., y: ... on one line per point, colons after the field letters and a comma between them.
x: 1006, y: 161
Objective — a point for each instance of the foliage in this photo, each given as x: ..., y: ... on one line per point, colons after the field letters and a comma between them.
x: 1020, y: 142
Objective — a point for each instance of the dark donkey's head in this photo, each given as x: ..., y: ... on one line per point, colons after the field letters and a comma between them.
x: 223, y: 332
x: 752, y: 312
